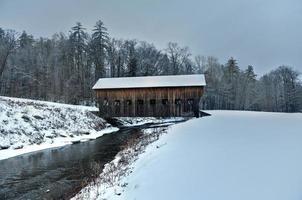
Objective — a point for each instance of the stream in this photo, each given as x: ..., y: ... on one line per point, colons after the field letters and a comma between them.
x: 61, y: 172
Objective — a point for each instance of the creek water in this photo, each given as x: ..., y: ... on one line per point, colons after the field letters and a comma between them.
x: 61, y: 172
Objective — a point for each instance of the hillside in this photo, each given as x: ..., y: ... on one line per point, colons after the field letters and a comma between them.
x: 231, y: 155
x: 29, y: 125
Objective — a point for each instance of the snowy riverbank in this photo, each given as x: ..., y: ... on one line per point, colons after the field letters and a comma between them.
x: 28, y: 125
x: 231, y: 155
x: 139, y: 121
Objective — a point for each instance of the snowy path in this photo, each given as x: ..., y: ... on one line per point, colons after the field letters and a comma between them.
x: 230, y: 155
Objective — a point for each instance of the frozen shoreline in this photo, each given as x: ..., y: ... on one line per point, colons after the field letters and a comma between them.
x: 57, y: 142
x: 111, y: 181
x: 29, y: 125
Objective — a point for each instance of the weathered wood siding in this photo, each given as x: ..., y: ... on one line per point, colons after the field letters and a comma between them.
x: 149, y: 102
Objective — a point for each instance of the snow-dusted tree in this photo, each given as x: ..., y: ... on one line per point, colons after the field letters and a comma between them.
x: 7, y: 46
x: 132, y: 63
x: 230, y: 84
x: 249, y: 89
x: 200, y: 64
x: 289, y: 79
x: 112, y: 52
x: 178, y: 57
x: 99, y: 44
x: 78, y: 50
x: 163, y: 65
x: 78, y: 39
x: 279, y: 90
x: 213, y: 97
x: 25, y: 64
x: 148, y: 59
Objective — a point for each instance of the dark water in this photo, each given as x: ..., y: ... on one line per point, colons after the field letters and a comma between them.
x: 59, y: 173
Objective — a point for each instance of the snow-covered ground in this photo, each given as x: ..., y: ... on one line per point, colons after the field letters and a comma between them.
x: 230, y: 155
x: 27, y: 125
x: 138, y: 121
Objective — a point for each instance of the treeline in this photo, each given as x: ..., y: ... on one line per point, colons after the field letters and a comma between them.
x: 64, y: 68
x: 234, y: 89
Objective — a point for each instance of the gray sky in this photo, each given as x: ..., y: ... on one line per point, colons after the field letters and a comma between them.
x: 263, y: 33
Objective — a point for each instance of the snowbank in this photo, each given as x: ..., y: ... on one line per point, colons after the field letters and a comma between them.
x: 28, y: 125
x: 114, y: 171
x: 138, y: 121
x: 231, y: 155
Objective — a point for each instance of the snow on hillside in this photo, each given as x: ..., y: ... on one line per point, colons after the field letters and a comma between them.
x: 29, y: 125
x: 231, y: 155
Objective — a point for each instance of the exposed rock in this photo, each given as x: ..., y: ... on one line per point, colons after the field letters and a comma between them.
x: 81, y: 133
x: 76, y: 141
x: 50, y: 135
x: 57, y: 109
x: 63, y: 135
x: 26, y: 118
x: 18, y: 146
x: 2, y: 147
x: 38, y: 117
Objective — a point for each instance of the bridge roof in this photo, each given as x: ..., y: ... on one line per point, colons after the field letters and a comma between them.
x: 150, y: 82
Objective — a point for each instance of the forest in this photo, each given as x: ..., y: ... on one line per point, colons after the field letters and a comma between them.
x: 64, y: 68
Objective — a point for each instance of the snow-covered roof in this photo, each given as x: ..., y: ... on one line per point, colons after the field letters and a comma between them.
x: 150, y: 82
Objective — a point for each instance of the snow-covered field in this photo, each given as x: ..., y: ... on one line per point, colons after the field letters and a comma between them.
x: 27, y: 125
x: 231, y: 155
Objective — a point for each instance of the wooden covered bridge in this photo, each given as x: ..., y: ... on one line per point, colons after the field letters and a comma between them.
x: 150, y: 96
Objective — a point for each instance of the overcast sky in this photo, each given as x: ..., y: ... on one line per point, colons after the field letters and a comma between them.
x: 262, y: 33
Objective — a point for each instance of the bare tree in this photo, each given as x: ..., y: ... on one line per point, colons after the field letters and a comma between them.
x: 178, y: 57
x: 7, y: 46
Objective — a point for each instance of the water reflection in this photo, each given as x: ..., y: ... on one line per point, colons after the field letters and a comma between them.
x: 59, y: 173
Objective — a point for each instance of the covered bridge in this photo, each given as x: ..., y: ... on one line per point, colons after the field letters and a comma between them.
x: 150, y: 96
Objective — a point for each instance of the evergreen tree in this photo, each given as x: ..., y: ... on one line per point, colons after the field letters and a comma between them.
x: 232, y: 69
x: 78, y: 44
x: 99, y: 45
x: 249, y: 88
x: 231, y: 76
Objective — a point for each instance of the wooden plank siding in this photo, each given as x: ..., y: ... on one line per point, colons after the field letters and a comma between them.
x: 149, y: 102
